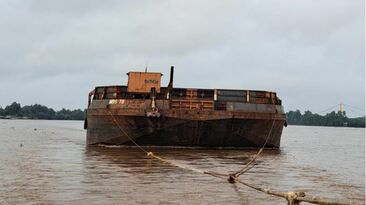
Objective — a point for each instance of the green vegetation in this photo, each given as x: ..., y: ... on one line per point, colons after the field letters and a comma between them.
x: 15, y: 110
x: 331, y: 119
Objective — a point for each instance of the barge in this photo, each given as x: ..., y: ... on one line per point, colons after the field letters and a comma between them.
x: 146, y: 113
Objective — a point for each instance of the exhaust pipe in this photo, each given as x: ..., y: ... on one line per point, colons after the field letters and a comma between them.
x: 171, y: 77
x: 170, y: 85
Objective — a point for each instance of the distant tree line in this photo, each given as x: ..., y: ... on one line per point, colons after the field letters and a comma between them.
x: 331, y: 119
x: 15, y: 110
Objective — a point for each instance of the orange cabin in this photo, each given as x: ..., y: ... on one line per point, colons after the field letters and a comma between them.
x: 142, y: 82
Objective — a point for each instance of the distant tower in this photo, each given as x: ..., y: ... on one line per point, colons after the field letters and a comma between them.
x: 341, y: 108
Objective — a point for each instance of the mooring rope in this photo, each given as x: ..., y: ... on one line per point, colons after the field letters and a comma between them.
x: 293, y: 198
x: 247, y: 166
x: 125, y: 133
x: 150, y: 154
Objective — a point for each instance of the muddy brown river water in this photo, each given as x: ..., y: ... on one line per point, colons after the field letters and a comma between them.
x: 47, y: 162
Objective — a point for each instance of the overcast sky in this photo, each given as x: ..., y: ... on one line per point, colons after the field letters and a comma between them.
x: 311, y: 52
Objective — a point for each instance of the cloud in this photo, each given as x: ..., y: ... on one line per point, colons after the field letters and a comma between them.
x: 304, y: 50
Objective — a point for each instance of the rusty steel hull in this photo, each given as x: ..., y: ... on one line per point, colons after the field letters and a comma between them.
x: 174, y: 128
x: 145, y: 113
